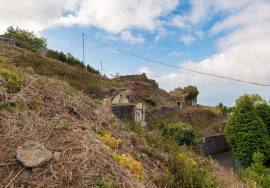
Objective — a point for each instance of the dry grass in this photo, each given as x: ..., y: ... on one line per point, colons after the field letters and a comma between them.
x: 227, y: 179
x: 63, y: 123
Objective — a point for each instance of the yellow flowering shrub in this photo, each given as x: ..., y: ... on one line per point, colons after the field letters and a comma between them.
x: 109, y: 140
x: 129, y: 162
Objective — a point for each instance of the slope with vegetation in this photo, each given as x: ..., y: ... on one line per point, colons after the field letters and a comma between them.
x: 64, y: 107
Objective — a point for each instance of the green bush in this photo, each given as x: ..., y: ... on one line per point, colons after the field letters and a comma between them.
x: 183, y: 167
x: 105, y: 183
x: 263, y: 110
x: 70, y: 59
x: 13, y: 81
x: 189, y: 173
x: 246, y: 132
x: 257, y: 173
x: 28, y: 40
x: 182, y: 133
x: 165, y: 179
x: 3, y: 105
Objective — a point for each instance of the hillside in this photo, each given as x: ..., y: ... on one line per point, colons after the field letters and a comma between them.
x: 66, y: 109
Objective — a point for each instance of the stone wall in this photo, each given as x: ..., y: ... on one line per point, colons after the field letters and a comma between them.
x: 124, y: 111
x: 215, y: 144
x: 140, y: 114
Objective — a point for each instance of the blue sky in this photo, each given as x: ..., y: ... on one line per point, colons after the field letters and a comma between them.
x: 213, y: 36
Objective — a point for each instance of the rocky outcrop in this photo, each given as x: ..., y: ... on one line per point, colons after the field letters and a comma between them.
x: 32, y: 154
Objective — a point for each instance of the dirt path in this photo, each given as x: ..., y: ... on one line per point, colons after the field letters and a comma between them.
x: 225, y: 159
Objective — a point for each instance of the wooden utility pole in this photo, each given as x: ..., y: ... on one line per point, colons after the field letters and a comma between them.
x: 101, y: 67
x: 83, y: 48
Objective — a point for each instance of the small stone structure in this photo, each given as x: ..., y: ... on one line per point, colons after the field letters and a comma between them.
x: 183, y: 101
x: 123, y: 109
x: 121, y: 98
x: 8, y: 38
x: 215, y: 144
x: 140, y: 114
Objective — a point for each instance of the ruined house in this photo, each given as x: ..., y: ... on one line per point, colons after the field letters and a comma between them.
x: 185, y: 100
x: 185, y: 97
x: 8, y: 39
x: 124, y: 109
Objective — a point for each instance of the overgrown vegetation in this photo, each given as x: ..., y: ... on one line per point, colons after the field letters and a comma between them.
x: 103, y: 182
x: 13, y: 80
x: 263, y: 110
x: 188, y: 173
x: 69, y: 59
x: 221, y: 109
x: 109, y: 140
x: 190, y: 91
x: 3, y: 105
x: 30, y: 41
x: 184, y: 169
x: 257, y: 175
x: 248, y: 136
x: 246, y: 132
x: 164, y: 143
x: 182, y: 133
x: 129, y: 162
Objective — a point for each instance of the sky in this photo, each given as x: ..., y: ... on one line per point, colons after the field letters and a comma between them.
x: 225, y: 37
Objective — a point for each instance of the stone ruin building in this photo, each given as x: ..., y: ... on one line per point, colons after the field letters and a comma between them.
x: 184, y: 100
x: 8, y: 39
x: 124, y: 109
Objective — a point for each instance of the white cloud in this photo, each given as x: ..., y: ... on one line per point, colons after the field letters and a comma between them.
x: 244, y: 53
x: 187, y: 39
x: 203, y: 10
x: 199, y: 34
x: 112, y: 16
x: 162, y: 32
x: 178, y: 21
x: 147, y: 71
x: 175, y: 54
x: 128, y: 37
x: 30, y: 14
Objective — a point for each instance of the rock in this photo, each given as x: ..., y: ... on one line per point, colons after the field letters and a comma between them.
x: 56, y: 156
x: 32, y: 154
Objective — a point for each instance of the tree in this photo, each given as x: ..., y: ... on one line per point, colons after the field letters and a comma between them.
x: 177, y: 92
x: 191, y: 91
x: 246, y: 132
x: 255, y: 98
x: 28, y: 40
x: 263, y: 110
x: 257, y: 172
x: 222, y: 109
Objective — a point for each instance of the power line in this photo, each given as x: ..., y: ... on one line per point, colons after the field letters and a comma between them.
x: 174, y: 66
x: 160, y: 62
